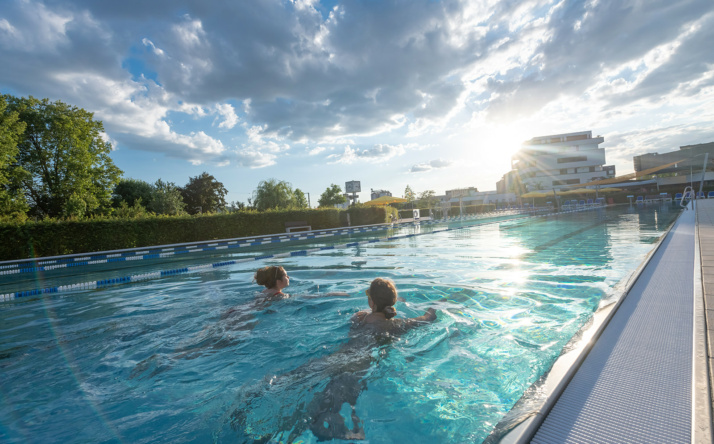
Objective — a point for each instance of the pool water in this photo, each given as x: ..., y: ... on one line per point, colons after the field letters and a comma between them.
x: 160, y: 361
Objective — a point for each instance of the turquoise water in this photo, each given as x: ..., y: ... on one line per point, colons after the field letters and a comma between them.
x: 161, y: 361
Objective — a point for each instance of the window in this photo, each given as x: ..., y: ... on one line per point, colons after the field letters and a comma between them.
x: 578, y: 137
x: 572, y: 159
x: 563, y: 171
x: 592, y: 169
x: 565, y: 182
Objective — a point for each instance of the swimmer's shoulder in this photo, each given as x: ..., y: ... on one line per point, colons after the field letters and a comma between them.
x: 358, y: 317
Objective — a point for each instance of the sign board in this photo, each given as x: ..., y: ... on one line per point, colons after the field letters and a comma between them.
x: 353, y: 186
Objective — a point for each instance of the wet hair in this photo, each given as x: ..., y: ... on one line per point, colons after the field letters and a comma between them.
x: 384, y: 295
x: 268, y: 276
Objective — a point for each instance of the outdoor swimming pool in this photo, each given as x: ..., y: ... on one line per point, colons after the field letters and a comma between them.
x: 154, y: 362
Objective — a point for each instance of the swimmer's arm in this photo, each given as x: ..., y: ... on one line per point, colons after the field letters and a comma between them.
x: 428, y: 316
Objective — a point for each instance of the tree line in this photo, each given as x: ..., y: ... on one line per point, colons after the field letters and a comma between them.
x: 55, y: 163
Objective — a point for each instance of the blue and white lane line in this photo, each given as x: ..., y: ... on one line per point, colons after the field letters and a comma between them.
x: 157, y: 253
x: 199, y: 268
x: 53, y: 264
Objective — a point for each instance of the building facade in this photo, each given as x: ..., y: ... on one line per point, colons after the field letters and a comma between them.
x: 379, y: 193
x: 555, y: 161
x: 472, y: 196
x: 689, y: 159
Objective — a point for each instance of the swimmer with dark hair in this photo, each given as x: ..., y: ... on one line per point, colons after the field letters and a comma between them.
x: 274, y: 278
x: 327, y: 423
x: 221, y: 335
x: 381, y: 297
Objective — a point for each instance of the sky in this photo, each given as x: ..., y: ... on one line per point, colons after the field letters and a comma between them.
x: 432, y: 94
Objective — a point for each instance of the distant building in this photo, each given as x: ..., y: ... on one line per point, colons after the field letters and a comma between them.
x: 688, y: 159
x: 508, y: 182
x: 461, y: 193
x: 379, y: 193
x: 472, y: 196
x: 552, y: 162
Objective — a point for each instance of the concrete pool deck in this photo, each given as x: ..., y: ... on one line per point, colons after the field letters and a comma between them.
x: 646, y: 377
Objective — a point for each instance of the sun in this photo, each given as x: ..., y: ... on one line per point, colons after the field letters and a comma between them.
x: 493, y: 145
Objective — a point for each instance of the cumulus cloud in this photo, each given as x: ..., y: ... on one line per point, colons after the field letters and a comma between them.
x: 317, y: 74
x: 429, y: 166
x: 580, y: 41
x: 258, y: 155
x: 316, y: 150
x: 376, y: 153
x: 251, y: 158
x: 228, y: 114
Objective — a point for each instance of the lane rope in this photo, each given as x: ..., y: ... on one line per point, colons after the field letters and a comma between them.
x: 204, y: 267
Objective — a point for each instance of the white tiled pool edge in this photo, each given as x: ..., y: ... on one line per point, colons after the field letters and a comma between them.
x: 701, y: 390
x: 568, y: 364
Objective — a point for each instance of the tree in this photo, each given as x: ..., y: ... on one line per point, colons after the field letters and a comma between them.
x: 409, y: 194
x: 236, y: 206
x: 166, y: 199
x: 136, y: 211
x: 299, y: 200
x: 204, y: 194
x: 12, y: 200
x: 332, y: 196
x: 65, y: 155
x: 427, y: 199
x: 273, y: 194
x: 131, y: 191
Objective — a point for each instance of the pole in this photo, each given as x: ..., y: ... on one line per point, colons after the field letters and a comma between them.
x: 308, y: 200
x: 704, y: 169
x: 555, y: 198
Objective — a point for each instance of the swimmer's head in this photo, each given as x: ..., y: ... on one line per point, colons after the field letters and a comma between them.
x: 383, y: 295
x: 270, y: 275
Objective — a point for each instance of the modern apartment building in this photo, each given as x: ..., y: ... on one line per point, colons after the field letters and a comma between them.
x: 548, y: 162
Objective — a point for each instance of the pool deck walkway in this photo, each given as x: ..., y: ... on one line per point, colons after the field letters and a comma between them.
x: 647, y: 378
x: 705, y: 220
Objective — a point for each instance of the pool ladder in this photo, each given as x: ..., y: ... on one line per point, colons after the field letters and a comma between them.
x: 687, y: 195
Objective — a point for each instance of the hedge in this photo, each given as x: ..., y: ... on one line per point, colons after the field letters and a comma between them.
x: 453, y: 211
x: 58, y: 237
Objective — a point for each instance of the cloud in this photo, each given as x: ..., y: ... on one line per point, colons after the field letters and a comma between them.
x: 429, y: 166
x: 316, y: 150
x: 258, y: 155
x: 377, y: 153
x: 149, y: 44
x: 191, y: 81
x: 683, y: 67
x: 254, y: 159
x: 307, y: 77
x: 581, y: 41
x: 227, y: 112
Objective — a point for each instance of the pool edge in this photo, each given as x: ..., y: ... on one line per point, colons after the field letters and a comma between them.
x: 567, y: 364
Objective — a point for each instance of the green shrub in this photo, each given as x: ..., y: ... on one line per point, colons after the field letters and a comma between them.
x: 57, y: 237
